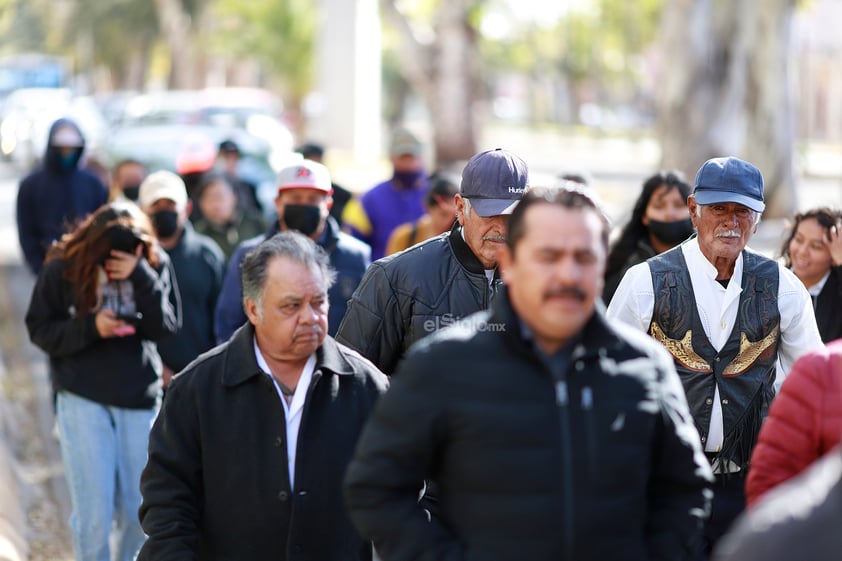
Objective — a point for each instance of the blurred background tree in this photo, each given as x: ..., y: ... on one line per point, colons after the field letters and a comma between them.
x: 708, y: 77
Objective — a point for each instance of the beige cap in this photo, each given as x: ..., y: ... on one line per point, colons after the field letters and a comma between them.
x: 162, y: 185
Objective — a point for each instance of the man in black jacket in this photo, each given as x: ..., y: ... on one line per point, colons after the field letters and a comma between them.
x: 406, y: 296
x: 550, y: 433
x: 247, y: 455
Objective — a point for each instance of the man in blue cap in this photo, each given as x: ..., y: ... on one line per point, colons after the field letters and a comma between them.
x: 733, y: 320
x: 405, y: 296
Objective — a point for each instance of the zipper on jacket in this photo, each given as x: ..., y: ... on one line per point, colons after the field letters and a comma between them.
x: 562, y: 400
x: 590, y: 435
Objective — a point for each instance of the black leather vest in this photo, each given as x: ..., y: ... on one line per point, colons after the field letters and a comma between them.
x: 744, y: 368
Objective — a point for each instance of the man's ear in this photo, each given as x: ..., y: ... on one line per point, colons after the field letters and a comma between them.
x: 691, y: 208
x: 329, y: 202
x: 250, y: 307
x: 460, y: 208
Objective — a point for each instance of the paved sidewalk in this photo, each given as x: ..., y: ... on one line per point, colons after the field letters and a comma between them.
x: 13, y: 543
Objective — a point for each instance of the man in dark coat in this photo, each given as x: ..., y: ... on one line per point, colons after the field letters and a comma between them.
x: 550, y: 433
x: 247, y: 455
x: 58, y: 195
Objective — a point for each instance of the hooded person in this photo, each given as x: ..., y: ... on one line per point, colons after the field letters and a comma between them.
x: 57, y: 195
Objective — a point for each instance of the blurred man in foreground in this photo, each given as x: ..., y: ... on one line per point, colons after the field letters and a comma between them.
x: 550, y: 433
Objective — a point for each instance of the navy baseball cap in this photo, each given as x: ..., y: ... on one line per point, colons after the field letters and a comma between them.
x: 729, y: 180
x: 494, y: 181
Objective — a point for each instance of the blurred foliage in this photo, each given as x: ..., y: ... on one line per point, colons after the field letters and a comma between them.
x: 598, y: 45
x: 280, y: 34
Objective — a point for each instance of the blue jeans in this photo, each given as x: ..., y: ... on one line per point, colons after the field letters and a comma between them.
x: 104, y: 451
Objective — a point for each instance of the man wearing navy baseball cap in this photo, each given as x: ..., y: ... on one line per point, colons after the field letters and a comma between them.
x: 734, y: 321
x: 406, y: 296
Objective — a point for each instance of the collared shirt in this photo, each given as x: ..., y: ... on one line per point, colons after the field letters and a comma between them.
x: 634, y: 303
x: 293, y: 410
x: 559, y: 360
x: 817, y: 288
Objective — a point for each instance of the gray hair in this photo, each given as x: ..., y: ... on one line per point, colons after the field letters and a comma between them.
x: 467, y: 206
x: 755, y: 216
x: 292, y: 245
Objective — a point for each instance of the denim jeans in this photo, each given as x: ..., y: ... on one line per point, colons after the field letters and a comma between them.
x: 104, y: 451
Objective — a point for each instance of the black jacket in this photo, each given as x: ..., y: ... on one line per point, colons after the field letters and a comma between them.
x: 406, y: 296
x: 119, y: 371
x: 216, y: 486
x: 599, y: 463
x: 199, y: 265
x: 828, y: 306
x: 52, y: 199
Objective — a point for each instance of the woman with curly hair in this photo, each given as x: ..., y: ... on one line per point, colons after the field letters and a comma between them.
x: 98, y: 305
x: 659, y: 221
x: 812, y: 249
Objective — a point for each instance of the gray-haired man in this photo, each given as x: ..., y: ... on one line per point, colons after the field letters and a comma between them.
x: 247, y: 455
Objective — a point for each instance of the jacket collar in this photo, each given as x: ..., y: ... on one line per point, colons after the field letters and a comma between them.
x: 240, y: 363
x: 596, y: 335
x: 462, y: 252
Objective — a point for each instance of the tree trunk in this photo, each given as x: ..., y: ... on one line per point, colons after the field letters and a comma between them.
x: 177, y: 30
x: 725, y: 89
x: 445, y: 75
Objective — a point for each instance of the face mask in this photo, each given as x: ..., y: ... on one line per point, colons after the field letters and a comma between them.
x: 68, y: 161
x: 304, y: 218
x: 408, y: 178
x: 131, y: 192
x: 165, y: 223
x: 671, y: 232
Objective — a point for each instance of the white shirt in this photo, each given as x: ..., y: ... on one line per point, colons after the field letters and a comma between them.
x: 293, y: 410
x: 634, y: 303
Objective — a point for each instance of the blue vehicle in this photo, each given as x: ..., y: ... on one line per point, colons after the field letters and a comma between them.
x: 31, y: 70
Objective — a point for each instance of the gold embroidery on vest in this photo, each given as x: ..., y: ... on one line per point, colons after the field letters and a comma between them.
x: 750, y: 351
x: 681, y: 349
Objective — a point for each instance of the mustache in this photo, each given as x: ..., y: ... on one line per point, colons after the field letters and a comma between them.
x: 729, y: 234
x: 494, y: 238
x: 565, y: 292
x: 307, y: 331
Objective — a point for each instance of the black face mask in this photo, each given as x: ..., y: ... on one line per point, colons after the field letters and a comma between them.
x: 165, y: 223
x: 131, y: 192
x: 671, y: 232
x: 304, y: 218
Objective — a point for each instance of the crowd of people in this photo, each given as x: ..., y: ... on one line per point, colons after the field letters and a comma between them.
x: 442, y: 367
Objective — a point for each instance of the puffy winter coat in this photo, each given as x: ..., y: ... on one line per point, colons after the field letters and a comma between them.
x: 804, y: 422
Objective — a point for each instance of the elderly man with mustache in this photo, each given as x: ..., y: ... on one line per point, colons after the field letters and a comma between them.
x: 408, y: 295
x: 733, y: 320
x: 247, y: 456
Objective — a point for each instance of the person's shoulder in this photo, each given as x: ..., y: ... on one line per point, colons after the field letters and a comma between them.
x: 349, y: 244
x: 447, y: 333
x: 360, y: 366
x: 429, y: 252
x: 247, y: 245
x: 208, y: 246
x: 203, y: 370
